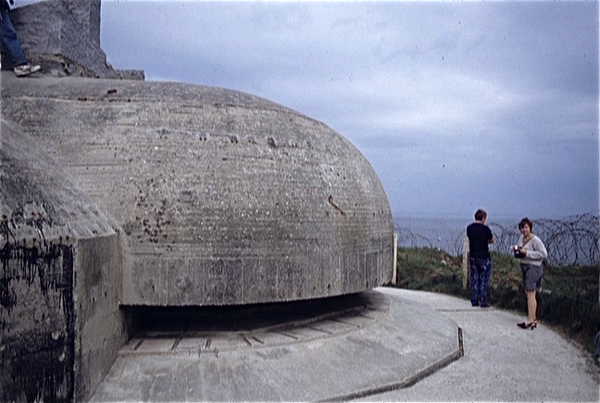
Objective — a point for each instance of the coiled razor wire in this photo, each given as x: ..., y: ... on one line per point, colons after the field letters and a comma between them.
x: 569, y: 241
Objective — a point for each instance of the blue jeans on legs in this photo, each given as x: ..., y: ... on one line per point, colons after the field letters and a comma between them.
x: 481, y: 269
x: 9, y: 39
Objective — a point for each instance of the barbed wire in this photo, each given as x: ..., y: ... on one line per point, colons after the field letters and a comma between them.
x: 572, y: 240
x: 408, y: 238
x: 569, y: 241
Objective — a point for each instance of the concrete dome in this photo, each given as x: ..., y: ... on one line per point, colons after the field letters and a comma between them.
x: 225, y: 198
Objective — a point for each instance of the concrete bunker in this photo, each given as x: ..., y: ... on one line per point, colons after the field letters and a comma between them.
x: 213, y: 197
x: 142, y: 196
x: 223, y: 198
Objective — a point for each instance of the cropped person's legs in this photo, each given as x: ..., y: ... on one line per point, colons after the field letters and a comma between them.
x: 11, y: 43
x: 8, y: 37
x: 475, y: 281
x: 486, y: 271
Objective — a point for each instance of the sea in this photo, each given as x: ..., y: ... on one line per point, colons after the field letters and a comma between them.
x: 443, y: 233
x: 568, y: 241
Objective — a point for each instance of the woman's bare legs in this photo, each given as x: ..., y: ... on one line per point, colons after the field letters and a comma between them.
x: 531, y: 306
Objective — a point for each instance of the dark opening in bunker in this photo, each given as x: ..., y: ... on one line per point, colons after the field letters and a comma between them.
x: 218, y: 328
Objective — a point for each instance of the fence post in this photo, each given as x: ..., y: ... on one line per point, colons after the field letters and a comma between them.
x: 465, y: 262
x: 395, y: 272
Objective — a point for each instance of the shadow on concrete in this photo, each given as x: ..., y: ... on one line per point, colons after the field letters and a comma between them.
x: 238, y: 318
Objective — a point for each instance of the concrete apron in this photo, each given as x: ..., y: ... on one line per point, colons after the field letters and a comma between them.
x: 384, y: 344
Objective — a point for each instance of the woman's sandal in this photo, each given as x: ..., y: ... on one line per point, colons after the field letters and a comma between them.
x: 525, y: 325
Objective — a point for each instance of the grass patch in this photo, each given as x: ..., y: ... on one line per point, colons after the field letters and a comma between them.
x: 568, y: 299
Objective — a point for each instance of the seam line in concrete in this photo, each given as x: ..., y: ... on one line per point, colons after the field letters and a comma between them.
x: 456, y: 355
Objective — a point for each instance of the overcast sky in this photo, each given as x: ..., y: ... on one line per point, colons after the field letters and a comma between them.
x: 455, y: 105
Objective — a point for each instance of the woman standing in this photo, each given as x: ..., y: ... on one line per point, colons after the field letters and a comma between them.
x: 531, y: 252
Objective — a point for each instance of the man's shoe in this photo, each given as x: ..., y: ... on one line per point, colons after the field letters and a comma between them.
x: 26, y: 69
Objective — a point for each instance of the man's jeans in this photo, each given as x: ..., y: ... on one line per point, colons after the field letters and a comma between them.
x: 481, y: 269
x: 9, y: 39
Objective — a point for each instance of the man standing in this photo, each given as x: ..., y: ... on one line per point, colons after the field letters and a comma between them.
x: 480, y: 236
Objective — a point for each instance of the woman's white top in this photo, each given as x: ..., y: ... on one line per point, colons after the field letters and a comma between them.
x: 536, y: 251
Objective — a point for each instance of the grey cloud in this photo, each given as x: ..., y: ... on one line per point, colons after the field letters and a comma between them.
x: 447, y: 100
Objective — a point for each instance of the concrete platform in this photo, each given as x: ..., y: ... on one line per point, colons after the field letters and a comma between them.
x: 501, y: 362
x: 342, y: 348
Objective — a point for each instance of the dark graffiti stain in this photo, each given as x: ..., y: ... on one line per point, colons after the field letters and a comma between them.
x: 38, y: 364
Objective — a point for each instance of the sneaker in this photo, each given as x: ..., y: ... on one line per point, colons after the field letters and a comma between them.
x: 26, y: 69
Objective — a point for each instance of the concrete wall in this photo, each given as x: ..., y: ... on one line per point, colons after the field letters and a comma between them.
x: 60, y: 322
x: 101, y: 327
x: 37, y: 324
x: 58, y: 341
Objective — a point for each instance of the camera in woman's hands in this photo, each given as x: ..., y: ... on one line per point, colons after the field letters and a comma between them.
x: 518, y: 251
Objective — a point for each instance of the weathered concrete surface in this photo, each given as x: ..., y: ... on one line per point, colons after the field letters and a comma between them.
x: 60, y: 323
x: 225, y: 198
x: 357, y: 346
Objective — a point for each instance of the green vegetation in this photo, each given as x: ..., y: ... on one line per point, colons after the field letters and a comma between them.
x: 568, y: 299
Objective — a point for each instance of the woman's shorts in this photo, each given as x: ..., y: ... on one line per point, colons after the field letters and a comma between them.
x: 532, y: 276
